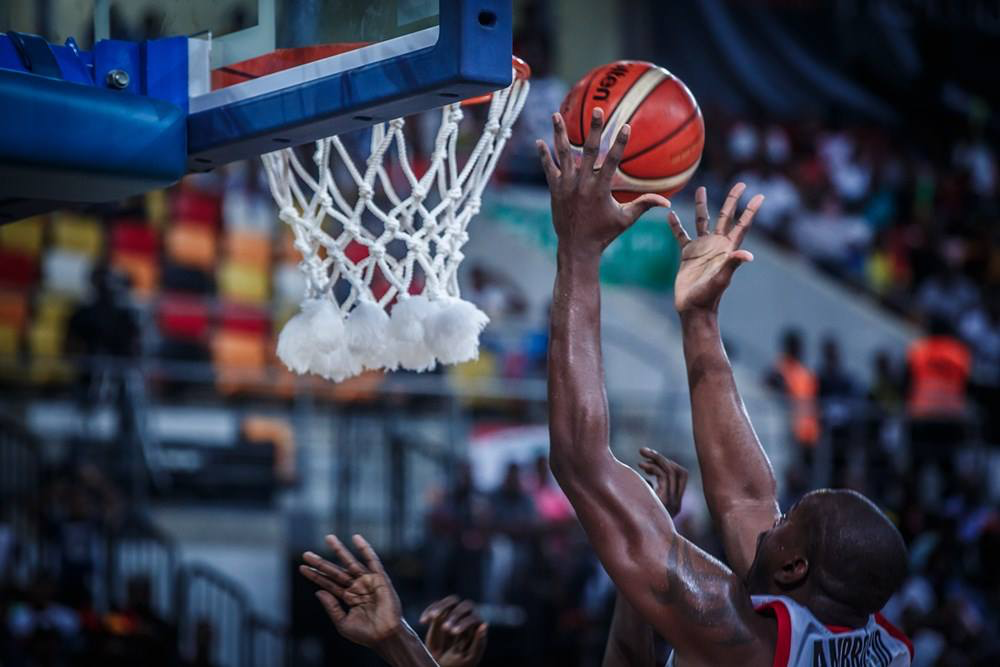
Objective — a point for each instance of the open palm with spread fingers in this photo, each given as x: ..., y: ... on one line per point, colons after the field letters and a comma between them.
x: 709, y: 260
x: 585, y: 215
x: 358, y: 597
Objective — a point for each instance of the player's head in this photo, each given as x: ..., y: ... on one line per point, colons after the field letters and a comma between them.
x: 832, y: 543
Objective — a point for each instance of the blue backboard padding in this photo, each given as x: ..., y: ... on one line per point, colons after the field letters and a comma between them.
x: 116, y: 54
x: 76, y: 65
x: 73, y: 64
x: 70, y: 142
x: 469, y: 59
x: 166, y: 70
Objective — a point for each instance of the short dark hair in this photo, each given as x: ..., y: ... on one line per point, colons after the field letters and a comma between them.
x: 857, y: 555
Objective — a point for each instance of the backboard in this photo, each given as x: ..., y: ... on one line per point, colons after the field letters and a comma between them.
x: 265, y: 74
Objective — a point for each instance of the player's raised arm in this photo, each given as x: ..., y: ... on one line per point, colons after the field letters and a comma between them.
x: 632, y: 641
x: 695, y: 602
x: 736, y: 474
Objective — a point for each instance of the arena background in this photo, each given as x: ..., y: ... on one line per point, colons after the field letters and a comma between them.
x: 159, y: 484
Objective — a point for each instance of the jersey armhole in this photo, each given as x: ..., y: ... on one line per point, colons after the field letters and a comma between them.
x: 783, y: 647
x: 895, y: 633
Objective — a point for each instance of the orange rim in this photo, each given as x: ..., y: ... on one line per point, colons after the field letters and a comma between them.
x: 522, y: 72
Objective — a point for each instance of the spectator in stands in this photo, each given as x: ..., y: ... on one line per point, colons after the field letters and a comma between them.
x: 797, y: 384
x: 839, y: 407
x: 980, y: 328
x: 938, y: 368
x: 948, y: 294
x: 104, y: 328
x: 43, y: 631
x: 513, y: 523
x: 457, y: 537
x: 82, y: 504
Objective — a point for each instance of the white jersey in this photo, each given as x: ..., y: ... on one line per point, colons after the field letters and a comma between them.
x: 805, y: 642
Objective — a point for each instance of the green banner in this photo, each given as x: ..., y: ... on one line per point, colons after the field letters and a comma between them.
x: 645, y: 256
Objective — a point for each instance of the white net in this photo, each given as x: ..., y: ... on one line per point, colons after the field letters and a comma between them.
x: 414, y: 230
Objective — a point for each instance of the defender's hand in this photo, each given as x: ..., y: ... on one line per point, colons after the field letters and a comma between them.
x: 585, y: 215
x: 669, y: 478
x: 708, y: 261
x: 358, y: 598
x: 457, y: 635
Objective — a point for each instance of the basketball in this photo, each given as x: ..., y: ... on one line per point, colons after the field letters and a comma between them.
x: 668, y: 131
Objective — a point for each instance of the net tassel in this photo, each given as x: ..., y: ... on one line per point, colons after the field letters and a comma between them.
x: 368, y: 334
x: 315, y: 333
x: 409, y: 333
x: 452, y: 333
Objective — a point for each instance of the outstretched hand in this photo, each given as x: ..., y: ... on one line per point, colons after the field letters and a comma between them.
x: 358, y: 598
x: 585, y: 215
x: 669, y: 478
x: 457, y: 635
x: 710, y: 259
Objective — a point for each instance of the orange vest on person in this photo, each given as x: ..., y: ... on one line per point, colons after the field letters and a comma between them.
x: 939, y: 369
x: 802, y: 388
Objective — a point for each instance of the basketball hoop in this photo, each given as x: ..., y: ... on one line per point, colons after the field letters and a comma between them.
x: 394, y: 329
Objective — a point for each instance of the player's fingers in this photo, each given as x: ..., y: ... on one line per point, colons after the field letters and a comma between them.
x: 336, y: 573
x: 561, y: 141
x: 682, y: 480
x: 729, y: 207
x: 678, y: 229
x: 735, y: 260
x: 614, y: 156
x: 351, y: 564
x: 701, y: 216
x: 368, y: 553
x: 743, y: 226
x: 656, y: 458
x: 592, y: 145
x: 464, y: 607
x: 439, y: 609
x: 462, y: 625
x: 637, y: 207
x: 479, y: 643
x: 332, y: 607
x: 323, y: 582
x: 552, y: 172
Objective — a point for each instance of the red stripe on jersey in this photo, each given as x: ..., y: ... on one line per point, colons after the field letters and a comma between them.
x: 783, y: 649
x: 895, y: 632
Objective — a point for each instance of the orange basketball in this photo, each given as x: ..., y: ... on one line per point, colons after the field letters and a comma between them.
x: 668, y: 132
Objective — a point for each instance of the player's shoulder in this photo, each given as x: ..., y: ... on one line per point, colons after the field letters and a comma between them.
x: 803, y: 640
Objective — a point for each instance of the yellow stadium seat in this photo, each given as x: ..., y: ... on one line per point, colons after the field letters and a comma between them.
x: 45, y: 340
x: 157, y: 208
x: 78, y: 233
x: 26, y: 236
x: 53, y: 309
x: 10, y: 342
x: 243, y: 282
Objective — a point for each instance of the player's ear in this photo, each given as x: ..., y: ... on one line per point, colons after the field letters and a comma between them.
x: 792, y: 572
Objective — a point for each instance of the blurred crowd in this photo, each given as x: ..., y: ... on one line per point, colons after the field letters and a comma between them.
x: 916, y: 439
x: 911, y: 222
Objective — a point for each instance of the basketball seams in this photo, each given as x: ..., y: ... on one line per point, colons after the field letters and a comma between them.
x: 680, y: 128
x: 632, y: 100
x: 611, y: 108
x: 583, y: 103
x: 630, y: 183
x: 643, y: 86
